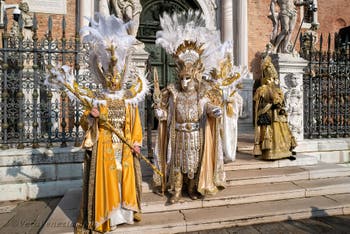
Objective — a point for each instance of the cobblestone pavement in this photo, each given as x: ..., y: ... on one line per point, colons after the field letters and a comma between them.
x: 324, y: 225
x: 28, y: 218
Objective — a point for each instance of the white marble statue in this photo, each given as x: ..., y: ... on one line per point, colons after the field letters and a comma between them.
x: 284, y: 20
x: 293, y: 100
x: 123, y: 9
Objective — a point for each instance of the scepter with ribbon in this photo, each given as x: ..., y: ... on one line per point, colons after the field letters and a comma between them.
x: 59, y: 78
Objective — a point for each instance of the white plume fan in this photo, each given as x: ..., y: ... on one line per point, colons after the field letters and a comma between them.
x: 102, y: 34
x: 185, y: 26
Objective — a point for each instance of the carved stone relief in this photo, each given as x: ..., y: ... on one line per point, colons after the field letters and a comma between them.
x: 294, y: 103
x: 291, y: 70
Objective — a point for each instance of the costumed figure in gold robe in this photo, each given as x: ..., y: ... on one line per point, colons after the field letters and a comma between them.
x: 227, y: 78
x: 273, y: 138
x: 188, y: 147
x: 112, y: 175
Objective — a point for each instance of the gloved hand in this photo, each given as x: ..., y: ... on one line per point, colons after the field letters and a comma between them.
x: 217, y: 112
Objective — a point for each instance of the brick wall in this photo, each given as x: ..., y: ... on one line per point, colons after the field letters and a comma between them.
x: 333, y: 15
x: 56, y: 19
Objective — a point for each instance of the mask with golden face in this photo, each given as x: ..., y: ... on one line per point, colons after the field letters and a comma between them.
x: 269, y: 71
x: 189, y: 64
x: 112, y: 79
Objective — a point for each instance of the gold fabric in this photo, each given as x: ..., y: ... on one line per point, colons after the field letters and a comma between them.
x: 206, y: 183
x: 275, y: 140
x: 193, y: 152
x: 101, y: 193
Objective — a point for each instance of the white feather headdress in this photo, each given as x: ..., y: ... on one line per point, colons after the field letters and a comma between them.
x: 185, y: 36
x: 221, y: 68
x: 108, y: 33
x: 104, y: 33
x: 109, y: 59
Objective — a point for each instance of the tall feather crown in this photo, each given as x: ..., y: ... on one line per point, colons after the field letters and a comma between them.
x: 186, y: 38
x: 110, y: 46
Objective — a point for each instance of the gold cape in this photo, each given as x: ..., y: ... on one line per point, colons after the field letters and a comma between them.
x: 101, y: 194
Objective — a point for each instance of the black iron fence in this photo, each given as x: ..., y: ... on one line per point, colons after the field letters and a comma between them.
x: 326, y: 87
x: 31, y: 114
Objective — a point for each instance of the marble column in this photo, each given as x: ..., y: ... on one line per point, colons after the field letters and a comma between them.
x: 242, y: 32
x: 227, y: 20
x: 86, y: 11
x: 240, y: 48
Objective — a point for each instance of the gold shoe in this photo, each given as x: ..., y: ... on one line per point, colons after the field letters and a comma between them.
x: 137, y: 217
x: 177, y: 187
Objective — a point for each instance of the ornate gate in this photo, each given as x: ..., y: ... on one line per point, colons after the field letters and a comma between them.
x: 31, y: 114
x: 327, y: 88
x: 149, y: 25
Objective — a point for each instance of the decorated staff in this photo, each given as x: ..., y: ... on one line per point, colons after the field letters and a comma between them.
x: 112, y: 183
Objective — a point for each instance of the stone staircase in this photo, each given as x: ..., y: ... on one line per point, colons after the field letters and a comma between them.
x: 257, y: 192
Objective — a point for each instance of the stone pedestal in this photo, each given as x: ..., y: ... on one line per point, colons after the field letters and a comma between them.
x: 138, y: 61
x: 245, y: 122
x: 291, y: 69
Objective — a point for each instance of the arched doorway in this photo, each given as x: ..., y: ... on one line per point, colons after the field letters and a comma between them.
x: 149, y: 25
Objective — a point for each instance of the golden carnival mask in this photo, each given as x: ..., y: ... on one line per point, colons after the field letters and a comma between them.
x: 269, y: 72
x: 112, y: 79
x: 188, y: 62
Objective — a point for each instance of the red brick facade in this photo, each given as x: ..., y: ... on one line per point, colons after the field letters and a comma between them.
x: 332, y: 16
x: 56, y: 20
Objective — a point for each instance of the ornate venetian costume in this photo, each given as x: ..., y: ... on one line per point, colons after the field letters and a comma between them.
x: 227, y: 79
x: 188, y: 145
x: 273, y: 138
x: 112, y: 174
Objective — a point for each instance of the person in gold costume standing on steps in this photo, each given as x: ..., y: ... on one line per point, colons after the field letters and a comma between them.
x: 113, y: 134
x: 273, y: 138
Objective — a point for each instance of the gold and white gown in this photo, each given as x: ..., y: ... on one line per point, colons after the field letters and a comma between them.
x: 232, y: 109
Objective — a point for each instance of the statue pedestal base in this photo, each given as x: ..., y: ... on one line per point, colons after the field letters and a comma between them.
x: 291, y: 70
x: 245, y: 122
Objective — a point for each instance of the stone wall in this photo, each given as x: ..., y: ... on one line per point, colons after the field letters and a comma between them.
x: 35, y: 173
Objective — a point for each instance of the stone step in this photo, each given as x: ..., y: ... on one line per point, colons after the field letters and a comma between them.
x: 245, y: 161
x: 238, y: 215
x: 240, y: 194
x: 269, y: 175
x: 272, y: 175
x: 185, y: 220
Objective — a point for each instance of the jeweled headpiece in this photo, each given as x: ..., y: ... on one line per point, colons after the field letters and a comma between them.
x: 268, y: 70
x: 222, y: 70
x: 186, y: 38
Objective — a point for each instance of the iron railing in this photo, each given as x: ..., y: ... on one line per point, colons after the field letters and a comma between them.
x: 326, y: 87
x: 31, y: 114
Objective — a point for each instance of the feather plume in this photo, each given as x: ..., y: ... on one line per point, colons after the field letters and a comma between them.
x: 104, y: 33
x: 180, y: 27
x: 109, y: 42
